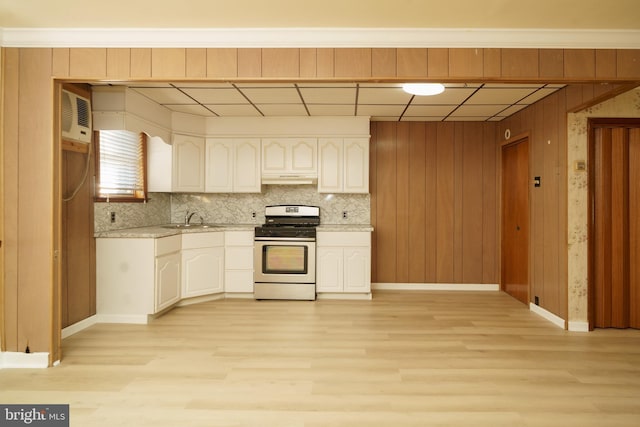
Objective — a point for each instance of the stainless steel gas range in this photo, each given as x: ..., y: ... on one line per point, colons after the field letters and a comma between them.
x: 285, y: 253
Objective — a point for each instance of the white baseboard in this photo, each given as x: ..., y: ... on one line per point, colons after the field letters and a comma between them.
x: 79, y: 326
x: 139, y: 319
x: 344, y: 296
x: 245, y: 295
x: 435, y: 286
x: 14, y: 359
x: 556, y: 320
x: 196, y: 300
x: 579, y: 326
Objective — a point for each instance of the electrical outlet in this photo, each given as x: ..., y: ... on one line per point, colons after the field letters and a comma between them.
x: 253, y: 214
x: 344, y: 214
x: 113, y: 217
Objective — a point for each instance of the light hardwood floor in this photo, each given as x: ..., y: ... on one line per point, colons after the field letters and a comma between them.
x: 402, y: 359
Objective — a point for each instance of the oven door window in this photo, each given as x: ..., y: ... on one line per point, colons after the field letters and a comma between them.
x: 284, y: 259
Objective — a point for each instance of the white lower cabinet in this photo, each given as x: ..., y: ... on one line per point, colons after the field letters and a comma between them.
x: 136, y: 277
x: 202, y: 264
x: 343, y: 262
x: 238, y: 261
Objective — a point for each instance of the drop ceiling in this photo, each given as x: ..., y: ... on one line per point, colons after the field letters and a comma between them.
x: 380, y: 101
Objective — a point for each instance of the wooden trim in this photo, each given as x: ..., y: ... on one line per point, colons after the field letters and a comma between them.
x: 2, y: 203
x: 74, y: 146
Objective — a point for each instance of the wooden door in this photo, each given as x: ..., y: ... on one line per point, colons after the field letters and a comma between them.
x: 614, y: 231
x: 515, y: 220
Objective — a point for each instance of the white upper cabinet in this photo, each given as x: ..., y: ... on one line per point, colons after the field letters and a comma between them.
x: 246, y: 173
x: 159, y: 165
x: 219, y: 174
x: 232, y: 165
x: 289, y: 157
x: 188, y: 163
x: 343, y: 165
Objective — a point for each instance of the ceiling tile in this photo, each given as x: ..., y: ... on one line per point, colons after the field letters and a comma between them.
x: 331, y: 110
x: 330, y: 95
x: 285, y: 85
x: 386, y: 95
x: 428, y: 110
x: 499, y: 96
x: 380, y: 110
x: 450, y: 96
x: 466, y: 119
x: 282, y: 109
x: 165, y: 95
x: 231, y: 110
x: 477, y: 111
x: 422, y: 118
x: 272, y: 95
x: 217, y: 96
x: 512, y: 110
x: 196, y: 109
x: 204, y: 85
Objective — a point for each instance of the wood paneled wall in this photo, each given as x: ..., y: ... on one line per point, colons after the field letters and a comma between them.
x: 434, y: 202
x: 31, y: 157
x: 28, y: 199
x: 327, y: 63
x: 546, y: 124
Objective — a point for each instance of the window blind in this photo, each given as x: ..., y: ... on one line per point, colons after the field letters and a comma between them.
x: 122, y: 157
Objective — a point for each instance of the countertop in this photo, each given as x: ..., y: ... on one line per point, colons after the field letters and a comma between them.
x: 155, y: 231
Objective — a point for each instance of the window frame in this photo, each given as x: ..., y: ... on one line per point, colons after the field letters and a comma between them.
x: 135, y: 198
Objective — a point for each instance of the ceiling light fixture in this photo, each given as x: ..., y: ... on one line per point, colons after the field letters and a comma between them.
x: 423, y: 89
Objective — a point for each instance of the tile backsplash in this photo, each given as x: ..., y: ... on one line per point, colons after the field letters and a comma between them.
x: 238, y: 208
x: 128, y: 215
x: 231, y: 208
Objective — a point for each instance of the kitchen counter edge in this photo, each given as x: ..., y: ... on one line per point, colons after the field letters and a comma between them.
x: 156, y: 231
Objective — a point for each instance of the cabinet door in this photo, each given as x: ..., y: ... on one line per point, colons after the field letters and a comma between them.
x: 188, y: 163
x: 356, y: 165
x: 238, y: 281
x: 202, y: 271
x: 357, y: 270
x: 274, y: 157
x: 290, y: 156
x: 330, y: 169
x: 246, y: 174
x: 329, y: 269
x: 167, y: 280
x: 219, y: 166
x: 304, y: 158
x: 159, y: 165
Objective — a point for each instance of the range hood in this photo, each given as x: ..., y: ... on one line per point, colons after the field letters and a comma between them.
x: 287, y: 179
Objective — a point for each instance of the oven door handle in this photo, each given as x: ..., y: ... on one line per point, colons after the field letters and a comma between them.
x: 284, y: 239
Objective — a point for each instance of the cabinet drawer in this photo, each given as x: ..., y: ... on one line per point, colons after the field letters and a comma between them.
x: 238, y: 238
x: 167, y: 245
x: 202, y: 240
x: 347, y: 238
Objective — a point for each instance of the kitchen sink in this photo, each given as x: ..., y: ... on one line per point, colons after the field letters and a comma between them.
x: 189, y: 226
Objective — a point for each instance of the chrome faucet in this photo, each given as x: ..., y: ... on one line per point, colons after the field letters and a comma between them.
x: 187, y: 217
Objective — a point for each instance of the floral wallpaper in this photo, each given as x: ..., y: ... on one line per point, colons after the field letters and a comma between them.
x: 625, y: 105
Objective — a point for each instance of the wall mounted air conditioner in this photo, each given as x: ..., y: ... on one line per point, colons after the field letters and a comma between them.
x: 76, y: 117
